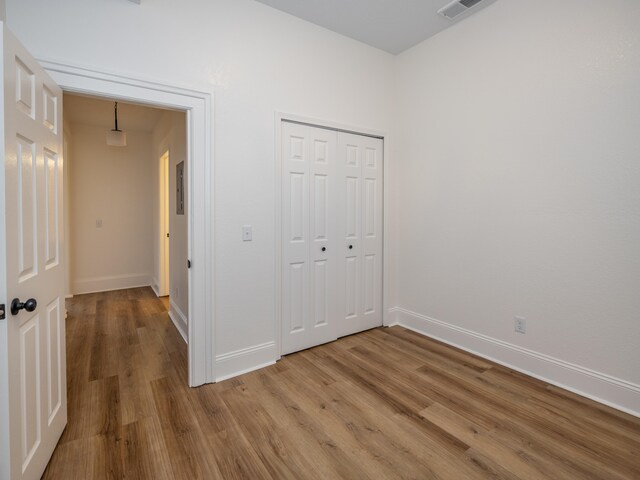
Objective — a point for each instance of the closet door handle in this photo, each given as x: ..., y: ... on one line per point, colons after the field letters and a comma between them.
x: 350, y: 247
x: 324, y: 249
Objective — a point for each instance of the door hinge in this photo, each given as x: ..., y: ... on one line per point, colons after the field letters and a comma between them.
x: 3, y: 310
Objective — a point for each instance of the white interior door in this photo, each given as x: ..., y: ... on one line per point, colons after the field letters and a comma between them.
x: 360, y: 226
x: 33, y: 403
x: 310, y: 238
x: 332, y: 235
x: 163, y: 287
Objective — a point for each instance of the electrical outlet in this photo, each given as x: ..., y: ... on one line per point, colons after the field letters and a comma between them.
x: 247, y: 233
x: 520, y: 324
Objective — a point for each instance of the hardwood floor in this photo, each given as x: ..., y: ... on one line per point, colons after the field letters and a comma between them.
x: 387, y: 403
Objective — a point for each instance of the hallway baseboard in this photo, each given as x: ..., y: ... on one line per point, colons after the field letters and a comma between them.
x: 179, y: 319
x: 106, y: 284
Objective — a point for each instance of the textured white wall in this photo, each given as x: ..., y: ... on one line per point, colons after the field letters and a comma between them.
x: 114, y: 185
x: 257, y: 60
x: 519, y: 166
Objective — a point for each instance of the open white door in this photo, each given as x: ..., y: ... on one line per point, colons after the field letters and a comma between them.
x: 163, y: 287
x: 33, y: 394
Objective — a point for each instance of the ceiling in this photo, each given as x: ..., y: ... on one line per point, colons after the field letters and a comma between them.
x: 99, y: 113
x: 390, y: 25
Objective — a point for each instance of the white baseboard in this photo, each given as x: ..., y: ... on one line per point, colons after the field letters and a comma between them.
x: 236, y: 363
x: 106, y: 284
x: 614, y: 392
x: 154, y: 287
x: 391, y: 317
x: 180, y: 320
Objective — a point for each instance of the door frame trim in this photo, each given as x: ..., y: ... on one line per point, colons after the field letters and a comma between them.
x: 198, y: 106
x: 340, y: 127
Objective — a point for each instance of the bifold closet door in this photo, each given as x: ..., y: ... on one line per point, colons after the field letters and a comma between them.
x: 360, y: 228
x: 309, y: 236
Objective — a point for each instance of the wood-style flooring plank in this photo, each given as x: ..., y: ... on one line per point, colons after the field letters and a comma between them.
x: 383, y: 404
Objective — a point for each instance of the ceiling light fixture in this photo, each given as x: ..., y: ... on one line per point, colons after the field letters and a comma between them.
x: 116, y: 138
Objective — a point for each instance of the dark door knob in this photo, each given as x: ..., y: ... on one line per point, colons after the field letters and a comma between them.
x: 350, y: 247
x: 16, y: 305
x: 324, y: 249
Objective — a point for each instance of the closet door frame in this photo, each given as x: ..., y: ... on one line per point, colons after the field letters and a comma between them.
x: 280, y: 117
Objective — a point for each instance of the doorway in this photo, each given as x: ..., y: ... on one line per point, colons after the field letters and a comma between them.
x: 119, y: 202
x: 198, y: 107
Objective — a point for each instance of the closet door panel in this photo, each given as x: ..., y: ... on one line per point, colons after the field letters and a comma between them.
x: 349, y: 217
x: 332, y: 235
x: 295, y: 233
x: 371, y: 246
x: 322, y: 253
x: 308, y: 235
x: 360, y: 220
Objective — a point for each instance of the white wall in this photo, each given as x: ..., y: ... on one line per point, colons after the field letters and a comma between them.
x: 517, y: 189
x: 257, y: 60
x: 170, y: 134
x: 111, y: 184
x: 519, y: 165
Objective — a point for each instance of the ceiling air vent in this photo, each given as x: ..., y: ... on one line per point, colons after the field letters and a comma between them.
x: 457, y: 7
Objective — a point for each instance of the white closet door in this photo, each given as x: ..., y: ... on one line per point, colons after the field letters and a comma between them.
x: 360, y: 223
x: 309, y: 274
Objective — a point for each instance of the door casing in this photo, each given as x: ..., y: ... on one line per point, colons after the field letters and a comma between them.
x: 199, y: 109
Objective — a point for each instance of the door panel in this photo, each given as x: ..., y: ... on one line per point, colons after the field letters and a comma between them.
x: 26, y: 206
x: 320, y: 201
x: 321, y: 290
x: 308, y: 233
x: 351, y: 287
x: 34, y: 350
x: 298, y: 297
x: 352, y: 207
x: 30, y: 398
x: 55, y: 360
x: 50, y: 110
x: 25, y: 82
x: 52, y: 208
x: 332, y: 235
x: 369, y: 284
x: 360, y: 220
x: 371, y: 246
x: 370, y: 210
